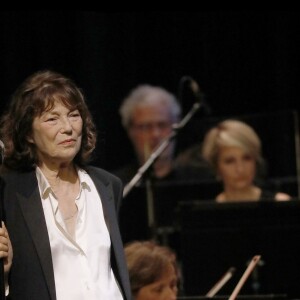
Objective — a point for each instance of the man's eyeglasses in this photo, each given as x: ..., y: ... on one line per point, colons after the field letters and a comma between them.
x: 148, y: 127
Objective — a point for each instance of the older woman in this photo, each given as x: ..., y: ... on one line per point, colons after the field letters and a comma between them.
x: 233, y: 150
x: 153, y: 271
x: 62, y: 239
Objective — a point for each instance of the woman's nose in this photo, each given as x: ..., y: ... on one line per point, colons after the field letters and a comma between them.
x: 66, y: 125
x: 240, y: 166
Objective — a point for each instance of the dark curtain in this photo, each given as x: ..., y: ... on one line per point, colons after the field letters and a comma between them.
x: 245, y: 62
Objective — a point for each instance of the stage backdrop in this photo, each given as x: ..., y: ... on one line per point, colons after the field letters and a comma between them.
x: 244, y: 62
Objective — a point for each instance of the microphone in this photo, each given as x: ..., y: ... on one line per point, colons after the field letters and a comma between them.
x: 197, y: 93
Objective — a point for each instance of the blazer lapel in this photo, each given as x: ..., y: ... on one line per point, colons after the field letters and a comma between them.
x: 30, y: 203
x: 105, y: 190
x: 106, y: 195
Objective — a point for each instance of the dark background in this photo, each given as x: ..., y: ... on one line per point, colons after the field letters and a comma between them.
x: 246, y: 62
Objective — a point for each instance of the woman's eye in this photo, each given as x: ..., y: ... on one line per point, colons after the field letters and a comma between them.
x: 75, y: 115
x: 158, y: 289
x: 50, y: 119
x: 248, y: 158
x: 228, y: 160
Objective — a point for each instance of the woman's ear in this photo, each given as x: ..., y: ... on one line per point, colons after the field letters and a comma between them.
x: 29, y: 139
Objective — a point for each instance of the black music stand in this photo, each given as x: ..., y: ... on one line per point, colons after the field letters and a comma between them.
x: 215, y: 236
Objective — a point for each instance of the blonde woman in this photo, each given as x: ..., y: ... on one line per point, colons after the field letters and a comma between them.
x: 233, y: 150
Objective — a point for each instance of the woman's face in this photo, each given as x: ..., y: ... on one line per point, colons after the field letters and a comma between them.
x: 236, y: 168
x: 57, y: 134
x: 163, y: 289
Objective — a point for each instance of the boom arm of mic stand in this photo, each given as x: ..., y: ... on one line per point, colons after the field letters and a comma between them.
x: 164, y: 144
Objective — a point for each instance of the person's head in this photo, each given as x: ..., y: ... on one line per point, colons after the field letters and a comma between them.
x: 233, y: 150
x: 152, y: 270
x: 46, y: 110
x: 148, y: 114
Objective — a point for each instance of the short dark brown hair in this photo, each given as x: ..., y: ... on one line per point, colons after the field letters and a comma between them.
x: 147, y: 261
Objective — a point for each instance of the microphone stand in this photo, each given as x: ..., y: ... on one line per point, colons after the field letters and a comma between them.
x: 150, y: 208
x: 163, y: 145
x: 150, y: 161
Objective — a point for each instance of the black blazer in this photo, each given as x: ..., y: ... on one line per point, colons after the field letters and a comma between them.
x: 31, y: 276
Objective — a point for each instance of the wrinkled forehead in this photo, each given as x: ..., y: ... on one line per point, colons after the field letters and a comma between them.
x: 49, y: 102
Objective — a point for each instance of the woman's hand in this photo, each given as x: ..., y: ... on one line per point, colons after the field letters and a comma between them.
x: 6, y: 251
